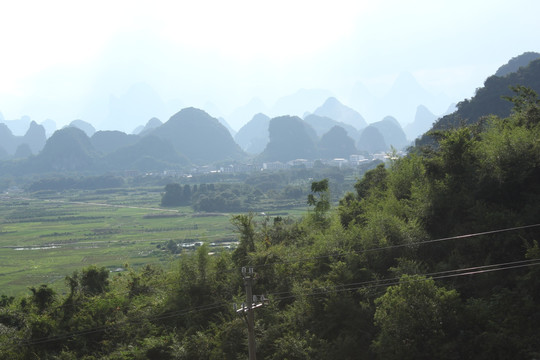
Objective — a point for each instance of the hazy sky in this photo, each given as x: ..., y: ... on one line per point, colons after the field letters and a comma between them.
x: 65, y: 59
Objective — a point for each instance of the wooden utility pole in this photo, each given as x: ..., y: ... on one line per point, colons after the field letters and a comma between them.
x: 252, y: 302
x: 248, y: 282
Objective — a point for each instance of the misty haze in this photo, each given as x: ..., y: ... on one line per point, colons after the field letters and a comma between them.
x: 283, y: 180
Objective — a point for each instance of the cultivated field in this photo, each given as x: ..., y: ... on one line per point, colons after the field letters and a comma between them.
x: 46, y: 236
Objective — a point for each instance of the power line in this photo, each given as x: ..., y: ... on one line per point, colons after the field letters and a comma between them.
x: 344, y: 287
x: 375, y: 249
x: 102, y: 328
x: 323, y: 290
x: 457, y: 237
x: 424, y: 277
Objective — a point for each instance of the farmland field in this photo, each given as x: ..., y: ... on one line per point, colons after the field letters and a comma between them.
x: 46, y: 236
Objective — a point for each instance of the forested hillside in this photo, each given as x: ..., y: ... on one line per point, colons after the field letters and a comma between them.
x: 490, y: 99
x: 434, y: 256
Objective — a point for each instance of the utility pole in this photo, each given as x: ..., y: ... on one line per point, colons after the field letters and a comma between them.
x: 252, y: 302
x: 248, y: 282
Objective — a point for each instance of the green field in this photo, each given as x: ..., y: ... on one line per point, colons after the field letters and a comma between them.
x: 46, y: 236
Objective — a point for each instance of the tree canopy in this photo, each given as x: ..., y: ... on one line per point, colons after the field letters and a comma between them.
x: 434, y: 255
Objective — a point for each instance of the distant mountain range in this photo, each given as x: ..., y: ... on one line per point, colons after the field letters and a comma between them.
x: 193, y: 137
x: 293, y: 138
x: 400, y: 101
x: 322, y: 124
x: 140, y: 102
x: 335, y: 110
x: 254, y: 135
x: 34, y: 138
x: 123, y: 109
x: 189, y: 137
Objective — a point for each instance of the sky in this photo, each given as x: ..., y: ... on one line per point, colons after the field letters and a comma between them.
x: 66, y: 60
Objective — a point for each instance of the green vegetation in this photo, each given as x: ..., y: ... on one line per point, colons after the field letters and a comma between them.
x: 260, y: 192
x: 490, y: 99
x: 434, y: 256
x: 66, y: 224
x: 49, y: 236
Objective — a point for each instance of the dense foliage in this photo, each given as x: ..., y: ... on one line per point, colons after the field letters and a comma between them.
x: 387, y: 274
x: 259, y: 191
x: 489, y: 99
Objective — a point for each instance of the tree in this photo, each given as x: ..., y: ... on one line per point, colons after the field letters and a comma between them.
x: 320, y: 199
x: 174, y: 195
x: 42, y: 297
x: 525, y: 101
x: 417, y: 320
x: 244, y: 226
x: 374, y: 183
x: 94, y: 280
x: 374, y: 179
x: 187, y: 193
x: 6, y: 300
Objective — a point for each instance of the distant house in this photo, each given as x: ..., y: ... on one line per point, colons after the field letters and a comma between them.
x: 339, y: 162
x: 239, y: 168
x: 14, y: 190
x: 301, y: 162
x: 131, y: 173
x: 355, y: 160
x: 276, y: 165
